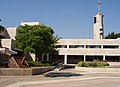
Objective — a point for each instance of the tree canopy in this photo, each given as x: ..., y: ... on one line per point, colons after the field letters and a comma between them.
x: 112, y: 35
x: 1, y: 27
x: 36, y: 39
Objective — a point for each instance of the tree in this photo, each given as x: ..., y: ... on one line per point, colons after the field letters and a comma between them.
x: 112, y: 35
x: 1, y: 30
x: 1, y: 27
x: 36, y: 39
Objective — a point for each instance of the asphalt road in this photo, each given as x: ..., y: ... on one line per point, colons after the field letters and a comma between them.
x: 64, y: 78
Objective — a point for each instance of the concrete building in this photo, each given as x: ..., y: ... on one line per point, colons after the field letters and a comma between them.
x: 31, y: 23
x: 98, y: 24
x: 71, y: 51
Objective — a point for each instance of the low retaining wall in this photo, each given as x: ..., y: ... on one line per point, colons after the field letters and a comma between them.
x: 98, y: 69
x: 24, y: 71
x: 114, y: 63
x: 37, y: 70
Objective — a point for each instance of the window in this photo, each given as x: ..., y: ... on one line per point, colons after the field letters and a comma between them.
x: 95, y: 20
x: 76, y: 46
x: 101, y: 29
x: 93, y: 46
x: 61, y: 46
x: 110, y: 46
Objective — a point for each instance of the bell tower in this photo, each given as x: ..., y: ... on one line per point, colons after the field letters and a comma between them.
x: 98, y: 24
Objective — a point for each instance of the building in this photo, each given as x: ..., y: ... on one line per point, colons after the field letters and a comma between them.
x: 98, y: 24
x: 71, y: 51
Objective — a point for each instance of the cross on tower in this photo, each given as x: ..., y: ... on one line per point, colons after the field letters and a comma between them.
x: 99, y: 6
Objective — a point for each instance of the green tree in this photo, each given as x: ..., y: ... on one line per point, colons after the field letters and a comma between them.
x: 36, y: 39
x: 1, y: 27
x: 1, y: 30
x: 112, y: 35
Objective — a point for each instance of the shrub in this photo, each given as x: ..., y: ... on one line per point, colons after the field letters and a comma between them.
x: 99, y: 64
x: 92, y: 64
x: 38, y: 64
x: 81, y: 64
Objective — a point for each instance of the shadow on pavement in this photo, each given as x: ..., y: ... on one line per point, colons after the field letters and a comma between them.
x: 61, y: 74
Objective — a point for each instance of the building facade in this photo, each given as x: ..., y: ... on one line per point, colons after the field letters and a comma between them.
x: 71, y: 51
x: 75, y: 50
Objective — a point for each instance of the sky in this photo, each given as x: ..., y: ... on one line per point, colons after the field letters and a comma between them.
x: 71, y: 19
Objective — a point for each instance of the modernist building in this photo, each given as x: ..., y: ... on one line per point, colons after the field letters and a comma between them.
x: 71, y: 51
x: 75, y: 50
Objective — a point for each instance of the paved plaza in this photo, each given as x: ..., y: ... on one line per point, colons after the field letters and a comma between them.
x: 63, y: 78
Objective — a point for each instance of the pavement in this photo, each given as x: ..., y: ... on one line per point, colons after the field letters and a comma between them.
x: 63, y: 78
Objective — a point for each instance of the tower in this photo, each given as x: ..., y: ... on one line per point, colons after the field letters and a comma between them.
x: 98, y: 24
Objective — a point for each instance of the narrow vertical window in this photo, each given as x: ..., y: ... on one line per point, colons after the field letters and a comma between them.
x: 94, y: 20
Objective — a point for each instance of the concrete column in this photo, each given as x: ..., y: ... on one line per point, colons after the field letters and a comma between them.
x: 104, y: 57
x: 67, y: 46
x: 84, y: 58
x: 65, y: 59
x: 101, y: 46
x: 48, y: 57
x: 42, y: 56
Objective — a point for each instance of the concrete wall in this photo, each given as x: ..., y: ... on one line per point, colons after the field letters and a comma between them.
x: 31, y: 23
x: 24, y: 71
x: 89, y: 51
x: 15, y: 71
x: 11, y: 32
x: 37, y: 70
x: 93, y: 70
x: 6, y: 43
x: 114, y: 63
x: 98, y: 27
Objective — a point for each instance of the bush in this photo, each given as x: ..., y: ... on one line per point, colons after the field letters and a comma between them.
x: 81, y: 64
x: 38, y: 64
x: 99, y: 64
x: 92, y: 64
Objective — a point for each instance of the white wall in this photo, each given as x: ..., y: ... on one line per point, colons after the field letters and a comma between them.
x: 11, y: 32
x: 89, y: 51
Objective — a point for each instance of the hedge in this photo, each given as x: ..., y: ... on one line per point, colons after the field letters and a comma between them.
x: 38, y: 64
x: 92, y: 64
